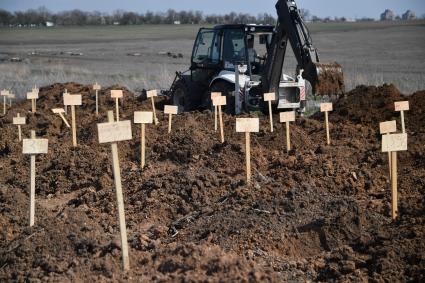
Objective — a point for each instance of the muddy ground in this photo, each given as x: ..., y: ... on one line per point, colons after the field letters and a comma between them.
x: 317, y: 213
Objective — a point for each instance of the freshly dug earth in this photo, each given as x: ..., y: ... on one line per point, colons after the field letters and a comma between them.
x: 318, y: 213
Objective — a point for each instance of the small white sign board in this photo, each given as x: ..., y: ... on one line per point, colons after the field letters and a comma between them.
x: 72, y: 99
x: 326, y: 107
x: 247, y: 125
x: 143, y: 117
x: 170, y: 109
x: 19, y: 121
x: 219, y: 101
x: 215, y: 94
x: 271, y: 96
x: 58, y: 110
x: 116, y: 93
x: 114, y: 132
x: 4, y: 93
x: 394, y: 142
x: 287, y: 116
x: 35, y: 146
x: 32, y: 95
x: 387, y: 127
x: 401, y: 106
x: 151, y: 93
x: 96, y: 86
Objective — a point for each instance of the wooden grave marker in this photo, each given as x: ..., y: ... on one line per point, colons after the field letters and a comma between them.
x: 33, y: 147
x: 65, y: 107
x: 60, y: 112
x: 96, y: 88
x: 220, y: 101
x: 33, y: 96
x: 117, y: 94
x: 19, y: 121
x: 393, y: 143
x: 213, y: 96
x: 113, y: 132
x: 402, y: 106
x: 386, y: 128
x: 247, y: 126
x: 151, y: 94
x: 170, y: 110
x: 11, y: 96
x: 143, y: 118
x: 36, y: 90
x: 327, y: 107
x: 73, y: 100
x: 287, y: 117
x: 269, y: 97
x: 5, y: 93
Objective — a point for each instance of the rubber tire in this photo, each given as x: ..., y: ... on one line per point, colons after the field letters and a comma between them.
x: 226, y: 89
x: 180, y: 95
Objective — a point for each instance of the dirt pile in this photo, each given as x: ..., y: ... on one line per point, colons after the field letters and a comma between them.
x: 316, y: 213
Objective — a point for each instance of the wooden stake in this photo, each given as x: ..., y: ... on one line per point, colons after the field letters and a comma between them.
x: 64, y: 120
x: 394, y: 202
x: 271, y: 116
x: 117, y: 110
x: 288, y: 137
x: 74, y: 126
x: 4, y: 104
x: 19, y: 130
x: 32, y: 185
x: 221, y: 124
x: 155, y: 119
x: 248, y: 156
x: 327, y: 107
x: 18, y: 120
x: 389, y: 162
x: 170, y: 110
x: 328, y: 138
x: 403, y: 127
x: 269, y: 97
x: 120, y: 200
x: 402, y: 106
x: 142, y: 142
x: 169, y: 122
x: 97, y: 103
x: 215, y: 117
x: 287, y: 117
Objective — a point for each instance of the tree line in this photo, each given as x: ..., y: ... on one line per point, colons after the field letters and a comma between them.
x: 41, y: 15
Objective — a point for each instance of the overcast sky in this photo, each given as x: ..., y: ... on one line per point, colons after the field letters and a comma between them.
x: 322, y: 8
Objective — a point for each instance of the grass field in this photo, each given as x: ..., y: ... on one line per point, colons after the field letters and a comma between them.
x: 370, y: 53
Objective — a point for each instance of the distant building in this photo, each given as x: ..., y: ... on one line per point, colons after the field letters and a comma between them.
x: 49, y: 24
x: 409, y: 16
x: 388, y: 15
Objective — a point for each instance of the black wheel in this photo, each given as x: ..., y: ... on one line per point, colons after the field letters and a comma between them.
x: 180, y: 95
x: 227, y: 89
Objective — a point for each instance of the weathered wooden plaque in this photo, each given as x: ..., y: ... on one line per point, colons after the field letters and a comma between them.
x: 117, y: 93
x: 219, y: 101
x: 19, y: 121
x: 151, y: 93
x: 72, y: 99
x: 96, y: 86
x: 387, y: 127
x: 35, y: 146
x: 247, y: 125
x: 143, y: 117
x: 215, y: 94
x: 170, y: 109
x: 114, y: 132
x: 326, y: 107
x: 58, y: 110
x: 271, y: 96
x: 394, y: 142
x: 32, y: 95
x: 401, y: 106
x: 287, y: 116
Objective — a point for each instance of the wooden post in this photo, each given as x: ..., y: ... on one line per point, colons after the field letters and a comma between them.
x: 117, y: 94
x: 66, y: 107
x: 286, y: 117
x: 32, y: 96
x: 213, y: 96
x: 11, y: 96
x: 97, y: 87
x: 393, y: 143
x: 4, y: 93
x: 18, y: 120
x: 32, y: 147
x: 269, y: 97
x: 60, y: 112
x: 327, y: 107
x: 220, y: 101
x: 112, y: 132
x: 170, y: 110
x: 143, y: 118
x: 73, y: 100
x: 247, y: 126
x: 386, y: 128
x: 151, y: 94
x: 402, y: 106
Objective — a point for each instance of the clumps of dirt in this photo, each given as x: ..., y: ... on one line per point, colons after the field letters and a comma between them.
x: 316, y: 213
x: 330, y: 79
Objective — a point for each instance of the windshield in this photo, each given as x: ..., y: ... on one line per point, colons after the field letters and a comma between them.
x: 234, y: 48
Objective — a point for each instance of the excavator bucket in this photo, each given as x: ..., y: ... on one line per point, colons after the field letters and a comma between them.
x: 329, y: 80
